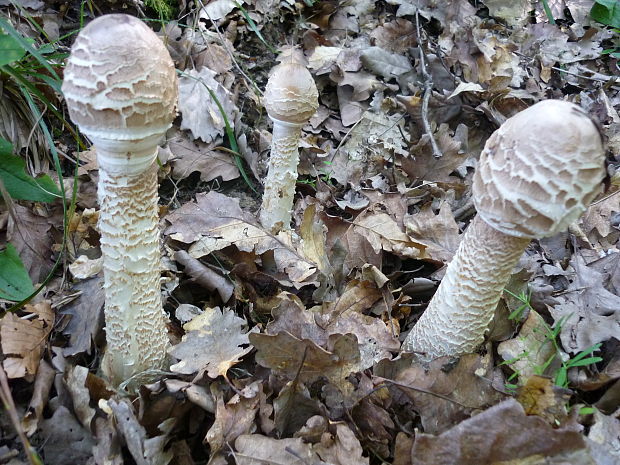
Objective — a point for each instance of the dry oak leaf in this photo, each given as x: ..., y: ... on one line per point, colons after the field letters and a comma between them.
x: 64, y: 439
x: 214, y: 342
x: 201, y: 115
x: 590, y: 313
x: 190, y: 156
x: 501, y: 434
x: 383, y: 233
x: 22, y: 340
x: 232, y: 419
x: 144, y: 450
x: 305, y: 361
x: 439, y: 233
x: 216, y: 221
x: 468, y: 384
x: 342, y: 448
x: 255, y: 448
x: 293, y: 407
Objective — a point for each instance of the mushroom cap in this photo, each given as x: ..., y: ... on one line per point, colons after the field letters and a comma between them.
x: 120, y: 82
x: 540, y: 170
x: 291, y: 95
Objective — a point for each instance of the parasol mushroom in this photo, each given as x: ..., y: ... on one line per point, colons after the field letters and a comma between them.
x: 537, y: 173
x: 291, y: 98
x: 121, y: 90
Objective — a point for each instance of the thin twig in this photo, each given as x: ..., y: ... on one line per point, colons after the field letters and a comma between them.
x: 9, y: 406
x: 428, y: 89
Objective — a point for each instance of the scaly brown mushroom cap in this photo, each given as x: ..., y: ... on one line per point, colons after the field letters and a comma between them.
x: 539, y: 171
x: 291, y: 95
x: 120, y: 82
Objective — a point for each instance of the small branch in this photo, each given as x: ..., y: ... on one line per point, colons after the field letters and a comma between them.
x: 9, y: 406
x: 428, y: 89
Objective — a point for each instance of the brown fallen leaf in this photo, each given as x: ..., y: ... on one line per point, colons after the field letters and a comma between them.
x: 539, y: 396
x: 252, y: 449
x: 232, y: 419
x: 589, y: 312
x: 86, y: 316
x: 216, y: 221
x: 65, y: 440
x: 341, y: 447
x: 23, y: 339
x: 214, y: 342
x: 190, y: 156
x: 501, y: 434
x: 293, y: 407
x: 42, y: 386
x: 303, y: 360
x: 439, y: 233
x: 467, y: 383
x: 144, y: 450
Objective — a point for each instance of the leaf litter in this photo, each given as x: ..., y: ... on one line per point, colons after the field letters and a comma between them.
x: 285, y: 347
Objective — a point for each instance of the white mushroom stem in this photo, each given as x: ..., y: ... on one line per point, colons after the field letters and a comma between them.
x: 282, y: 176
x: 131, y: 262
x: 457, y: 317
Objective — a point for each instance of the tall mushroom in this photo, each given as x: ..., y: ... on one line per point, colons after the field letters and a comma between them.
x: 537, y: 174
x: 291, y: 98
x: 121, y: 90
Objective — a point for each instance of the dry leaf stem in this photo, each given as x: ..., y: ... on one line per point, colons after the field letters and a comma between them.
x: 428, y: 89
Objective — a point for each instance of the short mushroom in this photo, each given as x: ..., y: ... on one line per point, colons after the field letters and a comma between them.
x: 291, y: 98
x: 121, y: 90
x: 537, y: 174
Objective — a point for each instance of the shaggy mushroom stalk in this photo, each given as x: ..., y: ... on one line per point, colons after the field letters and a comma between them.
x: 291, y: 98
x: 537, y: 174
x: 121, y: 90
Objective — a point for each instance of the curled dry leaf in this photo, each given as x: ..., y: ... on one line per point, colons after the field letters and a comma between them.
x: 216, y: 221
x: 502, y: 433
x: 530, y: 349
x: 468, y: 384
x: 23, y: 339
x: 589, y: 312
x: 144, y: 450
x: 303, y: 360
x: 255, y: 448
x: 201, y: 115
x: 194, y: 155
x: 215, y: 341
x: 232, y: 419
x: 439, y: 233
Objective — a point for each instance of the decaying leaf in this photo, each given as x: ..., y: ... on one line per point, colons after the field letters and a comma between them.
x: 531, y: 349
x: 86, y: 316
x: 144, y: 450
x: 23, y: 339
x: 587, y: 311
x: 201, y: 115
x: 539, y: 396
x: 468, y: 385
x: 303, y: 360
x: 215, y: 341
x: 439, y: 233
x: 190, y: 156
x: 216, y: 221
x: 501, y: 433
x: 255, y: 448
x: 232, y: 419
x: 65, y: 440
x: 383, y: 233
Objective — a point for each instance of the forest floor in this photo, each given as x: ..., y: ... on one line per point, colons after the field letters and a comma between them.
x: 285, y: 348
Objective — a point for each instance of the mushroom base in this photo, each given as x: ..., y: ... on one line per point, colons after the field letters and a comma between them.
x: 458, y: 315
